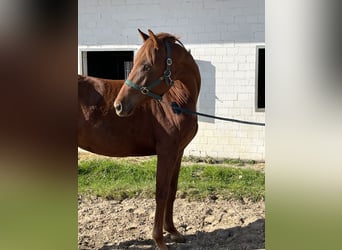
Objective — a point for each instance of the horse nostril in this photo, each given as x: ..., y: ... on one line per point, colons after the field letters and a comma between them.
x: 118, y: 107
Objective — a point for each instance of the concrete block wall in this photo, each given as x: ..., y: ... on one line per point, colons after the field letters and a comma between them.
x: 222, y: 36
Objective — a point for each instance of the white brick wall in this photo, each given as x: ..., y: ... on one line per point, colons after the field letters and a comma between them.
x: 222, y: 36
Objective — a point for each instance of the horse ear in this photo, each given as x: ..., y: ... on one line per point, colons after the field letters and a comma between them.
x: 154, y: 39
x: 143, y: 35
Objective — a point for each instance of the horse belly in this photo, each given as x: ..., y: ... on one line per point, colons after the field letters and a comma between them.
x: 115, y: 144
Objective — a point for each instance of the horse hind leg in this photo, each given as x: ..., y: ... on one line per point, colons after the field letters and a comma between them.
x: 168, y: 216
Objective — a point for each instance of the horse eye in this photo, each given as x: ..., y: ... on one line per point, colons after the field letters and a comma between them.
x: 146, y: 67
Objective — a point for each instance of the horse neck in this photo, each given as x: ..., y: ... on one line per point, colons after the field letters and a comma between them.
x: 186, y: 75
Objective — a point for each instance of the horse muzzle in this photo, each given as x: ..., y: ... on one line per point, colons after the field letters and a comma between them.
x: 122, y: 110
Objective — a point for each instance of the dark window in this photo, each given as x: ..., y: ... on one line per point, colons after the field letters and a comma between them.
x: 260, y: 79
x: 109, y: 64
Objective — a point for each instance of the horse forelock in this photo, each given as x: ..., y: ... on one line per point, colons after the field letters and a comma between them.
x: 169, y: 37
x: 148, y: 50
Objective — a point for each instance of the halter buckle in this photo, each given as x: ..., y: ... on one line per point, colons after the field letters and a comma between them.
x: 144, y: 90
x: 167, y: 73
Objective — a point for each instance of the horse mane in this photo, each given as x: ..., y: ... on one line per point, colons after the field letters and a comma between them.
x: 170, y: 38
x: 149, y: 50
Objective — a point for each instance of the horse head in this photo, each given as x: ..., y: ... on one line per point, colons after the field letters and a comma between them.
x: 150, y: 76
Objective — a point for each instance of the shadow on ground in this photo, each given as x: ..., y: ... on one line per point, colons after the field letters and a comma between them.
x: 248, y: 237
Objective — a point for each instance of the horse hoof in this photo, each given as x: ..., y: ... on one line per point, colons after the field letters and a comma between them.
x: 177, y: 237
x: 163, y: 247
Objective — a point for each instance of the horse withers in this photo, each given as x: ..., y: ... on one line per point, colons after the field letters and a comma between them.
x: 135, y: 118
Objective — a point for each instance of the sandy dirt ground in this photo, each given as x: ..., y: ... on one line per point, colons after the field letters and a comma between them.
x: 210, y: 224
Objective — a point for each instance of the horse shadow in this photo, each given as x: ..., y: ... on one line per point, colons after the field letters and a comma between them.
x: 250, y: 237
x: 207, y: 97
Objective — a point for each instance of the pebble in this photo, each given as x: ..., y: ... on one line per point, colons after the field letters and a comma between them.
x: 133, y: 226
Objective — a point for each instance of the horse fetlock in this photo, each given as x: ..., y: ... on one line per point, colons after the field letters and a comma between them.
x: 160, y: 244
x: 175, y: 236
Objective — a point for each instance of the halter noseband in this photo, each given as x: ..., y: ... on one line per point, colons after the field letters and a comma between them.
x: 146, y: 90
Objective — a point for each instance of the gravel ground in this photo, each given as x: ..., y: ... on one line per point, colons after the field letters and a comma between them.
x: 211, y: 224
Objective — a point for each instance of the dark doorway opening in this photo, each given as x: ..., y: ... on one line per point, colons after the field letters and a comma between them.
x: 260, y: 79
x: 109, y: 64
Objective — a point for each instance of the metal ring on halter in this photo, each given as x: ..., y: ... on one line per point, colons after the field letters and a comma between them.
x: 167, y: 73
x: 144, y: 90
x: 169, y: 61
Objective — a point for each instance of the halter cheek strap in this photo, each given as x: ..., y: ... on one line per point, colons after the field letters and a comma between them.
x: 146, y: 90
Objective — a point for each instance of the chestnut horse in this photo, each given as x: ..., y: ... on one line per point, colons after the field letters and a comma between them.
x: 135, y: 118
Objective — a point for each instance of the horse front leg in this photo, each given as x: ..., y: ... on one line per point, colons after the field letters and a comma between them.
x: 165, y: 165
x: 169, y: 225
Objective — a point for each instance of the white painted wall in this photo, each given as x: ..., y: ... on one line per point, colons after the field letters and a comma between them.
x: 222, y: 36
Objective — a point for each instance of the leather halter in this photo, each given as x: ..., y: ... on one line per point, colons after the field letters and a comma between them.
x: 147, y: 90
